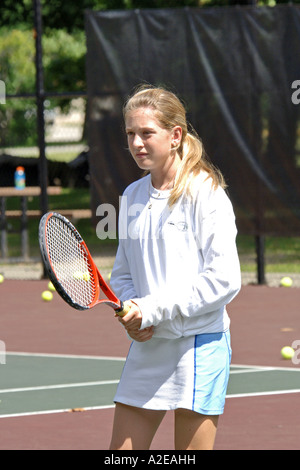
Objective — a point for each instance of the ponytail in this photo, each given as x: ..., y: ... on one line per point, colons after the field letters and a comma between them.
x: 193, y: 162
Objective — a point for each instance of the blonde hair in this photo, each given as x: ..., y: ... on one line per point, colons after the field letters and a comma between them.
x: 170, y: 112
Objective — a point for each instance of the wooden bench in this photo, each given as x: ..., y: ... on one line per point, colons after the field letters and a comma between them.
x: 72, y: 214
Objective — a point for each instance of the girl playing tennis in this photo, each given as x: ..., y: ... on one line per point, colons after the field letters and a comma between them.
x: 177, y: 263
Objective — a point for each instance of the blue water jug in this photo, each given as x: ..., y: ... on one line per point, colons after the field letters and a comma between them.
x: 20, y: 180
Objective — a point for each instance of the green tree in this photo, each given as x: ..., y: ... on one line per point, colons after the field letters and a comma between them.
x: 64, y: 60
x: 64, y: 70
x: 58, y: 14
x: 17, y: 54
x: 17, y: 70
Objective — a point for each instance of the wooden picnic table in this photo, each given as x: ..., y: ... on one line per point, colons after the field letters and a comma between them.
x: 23, y: 194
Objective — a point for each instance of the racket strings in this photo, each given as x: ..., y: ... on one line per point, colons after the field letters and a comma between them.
x: 70, y: 262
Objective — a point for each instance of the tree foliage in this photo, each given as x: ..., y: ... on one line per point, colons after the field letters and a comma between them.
x: 69, y: 14
x: 64, y: 60
x: 63, y: 51
x: 64, y: 70
x: 17, y: 53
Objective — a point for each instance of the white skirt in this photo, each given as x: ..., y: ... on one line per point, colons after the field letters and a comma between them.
x: 166, y: 374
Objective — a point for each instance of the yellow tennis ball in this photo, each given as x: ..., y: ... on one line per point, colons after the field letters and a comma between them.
x: 1, y: 278
x: 47, y: 296
x: 78, y: 275
x: 109, y: 276
x: 51, y: 287
x: 286, y: 282
x: 287, y: 352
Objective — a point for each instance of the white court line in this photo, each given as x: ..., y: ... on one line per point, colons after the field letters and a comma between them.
x: 247, y: 368
x: 49, y: 412
x: 67, y: 356
x: 118, y: 358
x: 106, y: 407
x: 263, y: 368
x: 67, y: 385
x: 261, y: 394
x: 57, y: 386
x: 249, y: 371
x: 253, y: 368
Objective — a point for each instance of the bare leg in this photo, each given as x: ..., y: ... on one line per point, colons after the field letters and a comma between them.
x: 134, y: 428
x: 194, y: 431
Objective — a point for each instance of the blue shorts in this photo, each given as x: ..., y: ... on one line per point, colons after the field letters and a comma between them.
x: 212, y: 364
x: 166, y: 374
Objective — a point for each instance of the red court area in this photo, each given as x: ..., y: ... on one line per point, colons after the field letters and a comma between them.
x: 263, y: 320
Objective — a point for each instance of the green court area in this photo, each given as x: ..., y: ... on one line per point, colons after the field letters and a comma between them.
x: 49, y: 383
x: 37, y: 383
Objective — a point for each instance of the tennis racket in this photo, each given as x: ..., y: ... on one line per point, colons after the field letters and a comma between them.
x: 71, y: 268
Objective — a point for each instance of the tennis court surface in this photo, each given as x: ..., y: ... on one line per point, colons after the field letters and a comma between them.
x: 62, y: 368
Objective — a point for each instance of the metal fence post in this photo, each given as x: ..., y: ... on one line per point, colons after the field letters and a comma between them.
x: 40, y: 97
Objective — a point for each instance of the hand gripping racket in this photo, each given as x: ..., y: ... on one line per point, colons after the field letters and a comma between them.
x: 71, y: 268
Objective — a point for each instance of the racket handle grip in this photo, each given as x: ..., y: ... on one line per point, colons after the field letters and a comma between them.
x: 124, y: 309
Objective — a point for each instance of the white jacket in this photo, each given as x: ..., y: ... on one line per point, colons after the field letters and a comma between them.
x: 180, y: 265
